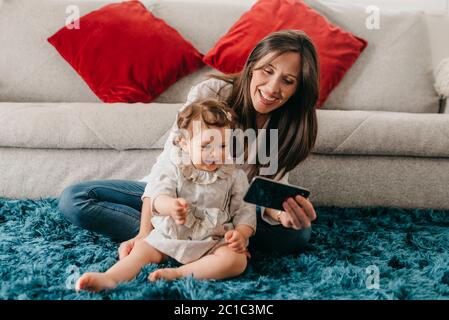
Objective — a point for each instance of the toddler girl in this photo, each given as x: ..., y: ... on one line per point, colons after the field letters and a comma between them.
x: 195, y: 204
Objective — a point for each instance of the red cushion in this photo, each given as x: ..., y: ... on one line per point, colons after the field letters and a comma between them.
x: 125, y: 53
x: 337, y: 49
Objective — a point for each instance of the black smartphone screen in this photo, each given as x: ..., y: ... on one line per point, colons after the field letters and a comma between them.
x: 271, y: 194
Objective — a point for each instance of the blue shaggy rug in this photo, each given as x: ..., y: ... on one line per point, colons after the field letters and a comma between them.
x: 368, y: 253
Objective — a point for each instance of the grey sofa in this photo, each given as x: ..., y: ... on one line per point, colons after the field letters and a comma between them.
x: 383, y: 135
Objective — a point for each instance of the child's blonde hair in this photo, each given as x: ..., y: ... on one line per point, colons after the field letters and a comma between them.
x: 213, y: 113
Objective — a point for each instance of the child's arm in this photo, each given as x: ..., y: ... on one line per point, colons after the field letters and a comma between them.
x: 160, y: 191
x: 166, y: 205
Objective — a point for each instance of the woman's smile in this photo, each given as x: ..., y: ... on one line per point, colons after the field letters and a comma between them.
x: 266, y: 98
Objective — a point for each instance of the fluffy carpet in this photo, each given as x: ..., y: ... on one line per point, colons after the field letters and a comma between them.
x: 41, y: 255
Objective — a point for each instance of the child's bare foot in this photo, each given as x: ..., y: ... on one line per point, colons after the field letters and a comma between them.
x: 94, y: 281
x: 166, y: 273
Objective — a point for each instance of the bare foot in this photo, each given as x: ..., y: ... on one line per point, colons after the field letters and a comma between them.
x: 94, y: 282
x: 167, y: 274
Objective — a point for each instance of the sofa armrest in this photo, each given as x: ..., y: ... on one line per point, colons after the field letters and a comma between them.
x: 444, y: 105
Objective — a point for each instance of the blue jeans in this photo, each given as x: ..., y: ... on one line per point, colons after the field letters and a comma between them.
x: 112, y: 208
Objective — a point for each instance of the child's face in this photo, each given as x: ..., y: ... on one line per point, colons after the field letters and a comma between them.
x: 207, y: 147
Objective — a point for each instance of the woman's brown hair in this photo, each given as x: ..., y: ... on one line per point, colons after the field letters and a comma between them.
x: 296, y: 120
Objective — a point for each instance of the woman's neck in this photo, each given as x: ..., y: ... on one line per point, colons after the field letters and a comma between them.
x: 260, y: 120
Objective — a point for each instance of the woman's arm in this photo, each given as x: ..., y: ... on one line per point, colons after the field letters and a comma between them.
x: 269, y: 215
x: 243, y: 214
x: 272, y: 214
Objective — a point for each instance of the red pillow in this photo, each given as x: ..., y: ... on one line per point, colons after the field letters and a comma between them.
x: 125, y: 53
x: 337, y: 49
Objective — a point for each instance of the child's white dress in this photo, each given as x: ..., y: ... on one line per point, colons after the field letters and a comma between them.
x: 216, y: 206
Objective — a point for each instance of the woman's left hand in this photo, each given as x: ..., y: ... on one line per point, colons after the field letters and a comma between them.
x: 299, y: 213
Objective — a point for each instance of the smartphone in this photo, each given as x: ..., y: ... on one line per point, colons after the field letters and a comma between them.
x: 271, y: 194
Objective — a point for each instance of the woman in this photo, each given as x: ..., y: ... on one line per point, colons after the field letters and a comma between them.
x: 277, y: 89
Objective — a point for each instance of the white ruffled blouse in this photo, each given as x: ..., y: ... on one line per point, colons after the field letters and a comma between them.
x: 215, y: 206
x: 205, y: 177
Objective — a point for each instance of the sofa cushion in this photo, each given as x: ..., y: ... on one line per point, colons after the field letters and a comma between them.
x: 382, y: 133
x: 123, y: 126
x: 201, y: 23
x: 52, y: 170
x: 337, y: 49
x: 177, y: 93
x: 116, y: 126
x: 125, y: 53
x: 372, y: 181
x: 345, y: 181
x: 394, y: 73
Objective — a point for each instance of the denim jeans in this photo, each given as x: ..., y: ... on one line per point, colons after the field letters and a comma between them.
x: 112, y: 208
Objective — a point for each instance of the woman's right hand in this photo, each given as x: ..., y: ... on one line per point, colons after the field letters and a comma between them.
x: 299, y: 213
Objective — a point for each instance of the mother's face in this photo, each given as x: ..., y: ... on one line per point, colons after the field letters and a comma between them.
x: 272, y: 85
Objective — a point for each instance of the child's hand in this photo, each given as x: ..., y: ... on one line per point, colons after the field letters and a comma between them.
x: 178, y: 210
x: 236, y: 241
